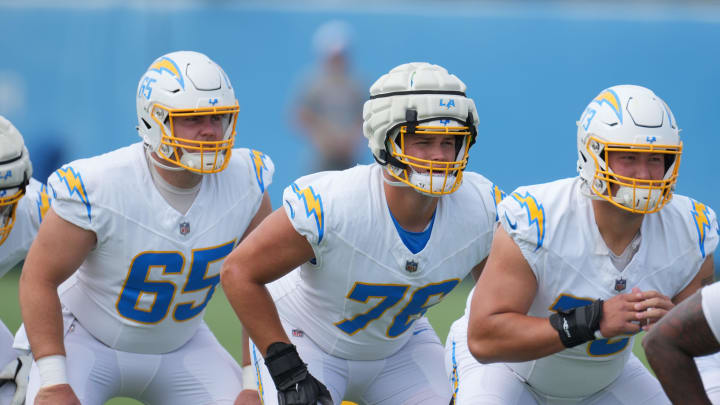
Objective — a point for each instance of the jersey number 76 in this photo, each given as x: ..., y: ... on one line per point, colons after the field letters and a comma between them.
x: 390, y: 295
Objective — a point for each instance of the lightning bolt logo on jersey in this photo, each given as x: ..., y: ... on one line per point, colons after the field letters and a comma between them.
x: 702, y: 223
x: 361, y: 298
x: 74, y: 183
x: 498, y: 195
x: 535, y: 215
x: 555, y: 229
x: 258, y: 158
x: 313, y: 207
x: 145, y: 287
x: 43, y: 202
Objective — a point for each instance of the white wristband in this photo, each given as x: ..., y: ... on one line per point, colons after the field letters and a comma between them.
x: 249, y: 375
x: 52, y: 370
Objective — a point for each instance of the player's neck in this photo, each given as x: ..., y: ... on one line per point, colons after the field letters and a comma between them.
x: 617, y: 226
x: 177, y: 178
x: 412, y: 210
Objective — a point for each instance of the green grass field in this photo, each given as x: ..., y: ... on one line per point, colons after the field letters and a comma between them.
x: 222, y: 320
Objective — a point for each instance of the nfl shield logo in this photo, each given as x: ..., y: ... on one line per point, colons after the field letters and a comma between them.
x: 620, y: 284
x: 411, y: 266
x: 184, y: 228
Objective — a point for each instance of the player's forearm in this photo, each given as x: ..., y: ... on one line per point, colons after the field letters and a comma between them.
x: 677, y: 373
x: 512, y: 337
x: 255, y: 308
x: 670, y: 346
x: 42, y: 316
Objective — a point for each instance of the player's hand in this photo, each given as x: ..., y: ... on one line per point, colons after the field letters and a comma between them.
x: 295, y: 385
x: 248, y: 397
x: 652, y: 307
x: 619, y: 314
x: 60, y: 394
x: 17, y: 372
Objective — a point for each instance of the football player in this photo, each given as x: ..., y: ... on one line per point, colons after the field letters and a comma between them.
x: 690, y: 329
x: 582, y: 264
x: 23, y: 202
x: 136, y: 237
x: 378, y: 245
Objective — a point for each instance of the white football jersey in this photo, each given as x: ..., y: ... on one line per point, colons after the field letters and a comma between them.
x: 554, y: 226
x: 29, y: 213
x: 364, y: 289
x: 145, y: 285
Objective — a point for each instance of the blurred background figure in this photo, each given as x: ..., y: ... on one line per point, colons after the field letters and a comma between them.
x: 328, y: 105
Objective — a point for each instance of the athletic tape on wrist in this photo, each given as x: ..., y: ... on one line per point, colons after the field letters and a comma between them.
x: 249, y: 377
x: 53, y: 370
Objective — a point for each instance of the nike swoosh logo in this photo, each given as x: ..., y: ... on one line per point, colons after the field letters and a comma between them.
x: 513, y: 226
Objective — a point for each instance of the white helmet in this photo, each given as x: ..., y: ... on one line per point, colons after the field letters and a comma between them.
x: 15, y: 174
x: 630, y: 119
x: 182, y: 84
x: 419, y: 98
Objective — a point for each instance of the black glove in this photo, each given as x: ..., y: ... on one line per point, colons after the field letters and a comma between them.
x: 295, y: 385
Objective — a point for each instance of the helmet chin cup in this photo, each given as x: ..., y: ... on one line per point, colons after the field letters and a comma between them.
x: 436, y: 184
x: 637, y: 200
x: 203, y: 161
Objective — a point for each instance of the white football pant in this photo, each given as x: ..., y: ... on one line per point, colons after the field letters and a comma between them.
x: 200, y: 372
x: 412, y: 376
x: 475, y: 383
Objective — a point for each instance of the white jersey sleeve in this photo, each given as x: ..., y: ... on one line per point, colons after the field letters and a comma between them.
x: 304, y: 206
x: 29, y: 213
x: 524, y: 219
x: 261, y: 168
x: 79, y: 195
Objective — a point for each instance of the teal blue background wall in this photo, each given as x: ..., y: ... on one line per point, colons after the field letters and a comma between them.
x: 68, y: 75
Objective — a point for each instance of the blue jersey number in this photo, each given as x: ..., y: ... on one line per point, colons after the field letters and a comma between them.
x: 600, y: 347
x: 163, y: 292
x: 390, y: 295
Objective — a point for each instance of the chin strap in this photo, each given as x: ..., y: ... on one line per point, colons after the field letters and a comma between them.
x: 159, y: 164
x: 392, y: 182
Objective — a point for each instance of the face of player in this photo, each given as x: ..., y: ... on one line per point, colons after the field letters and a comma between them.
x: 206, y: 128
x: 440, y: 148
x: 198, y: 128
x: 638, y: 165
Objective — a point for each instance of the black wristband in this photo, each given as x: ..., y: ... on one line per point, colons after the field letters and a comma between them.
x: 285, y: 366
x: 578, y: 325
